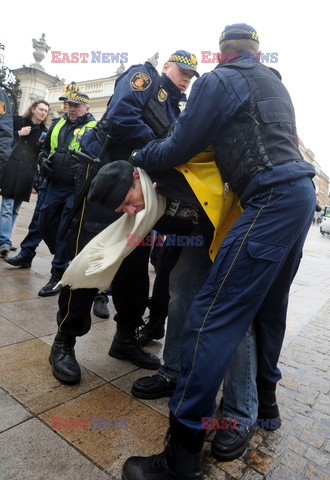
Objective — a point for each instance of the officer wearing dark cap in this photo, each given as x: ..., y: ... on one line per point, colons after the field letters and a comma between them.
x: 245, y: 113
x: 143, y: 108
x: 59, y: 167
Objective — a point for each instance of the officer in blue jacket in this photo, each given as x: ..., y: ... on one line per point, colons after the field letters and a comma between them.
x: 245, y: 113
x: 6, y: 129
x: 143, y: 107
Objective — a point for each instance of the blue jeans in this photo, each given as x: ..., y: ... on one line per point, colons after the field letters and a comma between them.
x: 240, y: 394
x: 240, y: 400
x: 8, y: 215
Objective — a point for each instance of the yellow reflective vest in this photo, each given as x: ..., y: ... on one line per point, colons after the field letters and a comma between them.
x: 78, y: 133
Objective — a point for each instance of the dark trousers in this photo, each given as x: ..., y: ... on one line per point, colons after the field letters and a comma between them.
x: 56, y: 207
x: 250, y: 279
x: 130, y: 291
x: 33, y: 237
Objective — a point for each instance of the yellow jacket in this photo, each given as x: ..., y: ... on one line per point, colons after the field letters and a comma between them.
x: 221, y: 206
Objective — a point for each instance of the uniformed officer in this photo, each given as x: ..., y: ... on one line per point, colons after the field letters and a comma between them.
x: 245, y: 113
x: 6, y: 129
x: 59, y: 167
x: 143, y: 107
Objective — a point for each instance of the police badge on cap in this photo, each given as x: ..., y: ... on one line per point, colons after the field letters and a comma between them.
x: 185, y: 60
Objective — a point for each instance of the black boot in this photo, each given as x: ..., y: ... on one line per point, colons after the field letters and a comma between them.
x: 153, y: 330
x: 63, y: 360
x: 125, y: 347
x: 268, y: 412
x: 181, y: 459
x: 50, y: 288
x: 230, y: 443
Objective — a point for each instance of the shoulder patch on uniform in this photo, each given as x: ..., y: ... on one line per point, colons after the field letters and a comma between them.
x: 140, y: 81
x: 162, y: 95
x: 2, y: 108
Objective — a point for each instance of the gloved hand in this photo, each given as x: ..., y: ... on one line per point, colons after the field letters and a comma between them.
x: 47, y: 168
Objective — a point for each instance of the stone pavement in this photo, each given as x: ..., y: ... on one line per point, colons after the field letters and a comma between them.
x: 33, y: 404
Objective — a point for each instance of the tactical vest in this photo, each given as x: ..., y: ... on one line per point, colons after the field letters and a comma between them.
x: 262, y: 134
x: 155, y: 111
x: 75, y: 142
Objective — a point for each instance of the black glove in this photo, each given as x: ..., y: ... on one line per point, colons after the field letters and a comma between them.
x: 46, y: 168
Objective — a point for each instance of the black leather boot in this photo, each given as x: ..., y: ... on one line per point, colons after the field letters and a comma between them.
x: 268, y: 408
x: 63, y: 360
x: 125, y: 347
x: 50, y: 288
x: 181, y: 459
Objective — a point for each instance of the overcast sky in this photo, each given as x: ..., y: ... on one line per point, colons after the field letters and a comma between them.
x: 298, y: 33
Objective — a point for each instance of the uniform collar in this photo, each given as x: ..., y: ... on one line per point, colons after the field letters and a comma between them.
x: 80, y: 120
x: 173, y: 89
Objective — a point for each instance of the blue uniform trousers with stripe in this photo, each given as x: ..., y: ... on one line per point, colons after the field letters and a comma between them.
x: 249, y: 280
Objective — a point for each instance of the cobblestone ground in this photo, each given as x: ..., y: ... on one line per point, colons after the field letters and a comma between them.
x: 33, y: 448
x: 300, y: 449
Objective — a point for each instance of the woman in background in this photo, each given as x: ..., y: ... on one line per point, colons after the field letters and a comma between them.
x: 19, y: 172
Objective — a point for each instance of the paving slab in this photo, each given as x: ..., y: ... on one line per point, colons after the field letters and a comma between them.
x: 11, y: 412
x: 116, y: 426
x: 33, y: 451
x: 26, y: 374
